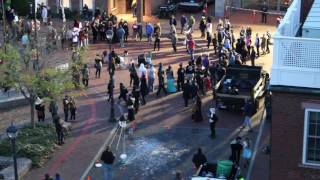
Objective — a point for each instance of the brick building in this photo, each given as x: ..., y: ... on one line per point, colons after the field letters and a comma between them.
x: 295, y: 86
x: 144, y: 7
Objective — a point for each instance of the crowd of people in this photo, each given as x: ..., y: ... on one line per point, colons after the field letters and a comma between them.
x: 195, y: 79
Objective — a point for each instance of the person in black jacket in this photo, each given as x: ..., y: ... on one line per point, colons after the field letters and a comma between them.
x: 173, y: 21
x: 264, y: 10
x: 107, y: 158
x: 213, y: 119
x: 181, y: 73
x: 236, y: 149
x: 123, y: 93
x: 126, y: 30
x: 161, y: 80
x: 66, y: 107
x: 130, y: 103
x: 136, y: 95
x: 143, y: 88
x: 59, y: 129
x: 199, y: 159
x: 186, y: 92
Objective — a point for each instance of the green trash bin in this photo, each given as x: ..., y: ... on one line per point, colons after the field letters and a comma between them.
x: 224, y: 168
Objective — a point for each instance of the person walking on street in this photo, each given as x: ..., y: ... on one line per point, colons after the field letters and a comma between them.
x: 107, y: 159
x: 123, y: 93
x: 40, y: 108
x: 252, y: 56
x: 268, y: 42
x: 202, y: 26
x: 57, y: 177
x: 161, y: 85
x: 197, y: 109
x: 110, y: 89
x: 149, y: 32
x: 186, y: 92
x: 85, y: 75
x: 174, y: 40
x: 191, y: 23
x: 183, y: 22
x: 73, y: 109
x: 247, y: 153
x: 248, y: 112
x: 257, y: 44
x: 66, y: 107
x: 143, y: 88
x: 121, y: 33
x: 126, y: 30
x: 173, y: 21
x: 151, y: 76
x: 263, y: 44
x: 98, y: 66
x: 236, y: 149
x: 157, y: 34
x: 191, y: 48
x: 59, y: 129
x: 53, y: 108
x: 199, y: 159
x: 136, y: 95
x: 213, y: 119
x: 264, y: 10
x: 130, y: 107
x: 181, y: 76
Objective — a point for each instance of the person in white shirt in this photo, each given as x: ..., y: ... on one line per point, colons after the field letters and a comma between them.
x: 75, y: 37
x: 44, y: 14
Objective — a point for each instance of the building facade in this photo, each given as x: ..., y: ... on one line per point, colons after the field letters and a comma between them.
x: 295, y: 86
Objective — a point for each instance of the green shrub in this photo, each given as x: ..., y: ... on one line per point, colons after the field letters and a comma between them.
x: 36, y: 144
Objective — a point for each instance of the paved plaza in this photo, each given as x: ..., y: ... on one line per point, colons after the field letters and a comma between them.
x: 165, y: 137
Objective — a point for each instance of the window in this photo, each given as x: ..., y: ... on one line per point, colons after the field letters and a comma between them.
x: 311, y: 140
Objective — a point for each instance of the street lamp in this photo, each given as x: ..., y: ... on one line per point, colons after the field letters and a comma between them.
x: 111, y: 83
x: 12, y: 133
x: 109, y: 35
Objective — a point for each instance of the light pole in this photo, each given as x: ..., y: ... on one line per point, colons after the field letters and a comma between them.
x: 111, y: 83
x: 12, y: 133
x: 109, y: 35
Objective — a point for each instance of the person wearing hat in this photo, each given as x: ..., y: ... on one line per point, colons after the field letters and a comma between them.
x: 213, y: 119
x: 39, y: 106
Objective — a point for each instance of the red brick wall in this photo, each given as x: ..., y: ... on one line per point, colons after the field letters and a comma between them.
x: 287, y: 138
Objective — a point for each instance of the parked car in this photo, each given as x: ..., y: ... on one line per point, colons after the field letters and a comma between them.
x: 193, y: 5
x: 167, y: 10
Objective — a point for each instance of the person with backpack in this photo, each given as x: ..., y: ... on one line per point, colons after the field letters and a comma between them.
x: 85, y: 75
